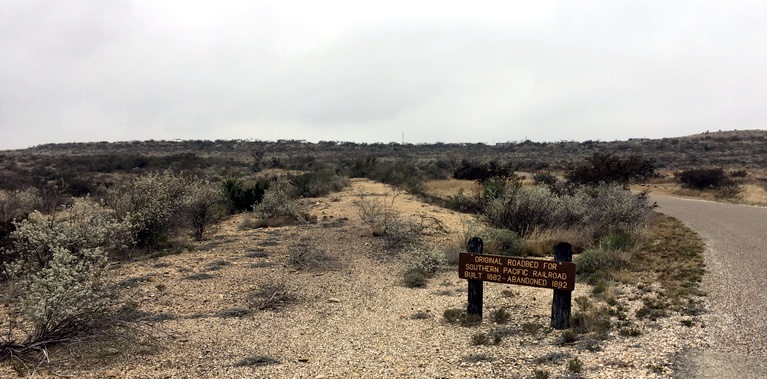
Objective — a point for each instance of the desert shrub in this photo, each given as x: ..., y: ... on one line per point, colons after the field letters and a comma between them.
x: 460, y: 316
x: 397, y: 230
x: 619, y: 240
x: 85, y: 224
x: 545, y: 178
x: 400, y: 173
x: 255, y: 361
x: 589, y: 318
x: 472, y: 170
x: 151, y: 204
x: 593, y: 261
x: 522, y: 209
x: 600, y: 209
x: 500, y: 316
x: 60, y: 270
x: 568, y: 336
x: 575, y: 365
x: 499, y: 241
x: 415, y: 278
x: 204, y: 204
x: 739, y: 173
x: 608, y: 168
x: 452, y: 254
x: 703, y: 178
x: 728, y: 191
x: 308, y: 258
x: 464, y: 203
x: 610, y: 208
x: 273, y: 295
x: 241, y: 196
x: 480, y: 338
x: 278, y: 202
x: 16, y: 206
x: 429, y: 261
x: 318, y: 183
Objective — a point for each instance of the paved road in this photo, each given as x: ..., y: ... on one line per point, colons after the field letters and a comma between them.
x: 736, y: 283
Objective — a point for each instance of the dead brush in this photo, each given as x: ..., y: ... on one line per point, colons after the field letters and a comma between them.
x: 273, y: 295
x: 303, y: 257
x: 386, y: 222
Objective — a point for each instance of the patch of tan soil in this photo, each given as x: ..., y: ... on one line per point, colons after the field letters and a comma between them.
x: 353, y: 319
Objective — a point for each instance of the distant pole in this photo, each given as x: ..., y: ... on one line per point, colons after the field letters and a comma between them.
x: 475, y: 286
x: 562, y: 303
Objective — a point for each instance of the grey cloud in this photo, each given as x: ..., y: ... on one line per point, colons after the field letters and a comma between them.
x: 91, y: 70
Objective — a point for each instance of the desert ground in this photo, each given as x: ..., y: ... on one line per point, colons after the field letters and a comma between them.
x: 339, y: 309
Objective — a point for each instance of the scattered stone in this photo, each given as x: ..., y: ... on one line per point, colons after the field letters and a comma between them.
x: 110, y: 351
x: 334, y: 300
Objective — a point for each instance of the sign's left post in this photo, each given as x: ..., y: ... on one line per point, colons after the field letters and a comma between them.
x: 474, y: 309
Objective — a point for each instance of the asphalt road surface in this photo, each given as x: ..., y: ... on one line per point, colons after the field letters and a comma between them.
x: 736, y: 283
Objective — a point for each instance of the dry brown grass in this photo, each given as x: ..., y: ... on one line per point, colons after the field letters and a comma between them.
x: 754, y: 194
x: 445, y: 188
x: 540, y: 243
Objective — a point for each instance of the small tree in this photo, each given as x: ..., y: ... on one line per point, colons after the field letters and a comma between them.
x: 151, y: 204
x: 241, y: 196
x: 703, y: 178
x: 609, y: 168
x: 204, y: 204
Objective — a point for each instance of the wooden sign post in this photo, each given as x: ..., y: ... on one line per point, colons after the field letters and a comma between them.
x: 558, y: 275
x: 474, y: 308
x: 562, y: 302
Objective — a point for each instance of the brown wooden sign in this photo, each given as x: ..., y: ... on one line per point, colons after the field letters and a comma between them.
x: 511, y: 270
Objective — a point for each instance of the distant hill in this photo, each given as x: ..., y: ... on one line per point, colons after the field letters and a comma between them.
x: 81, y: 166
x: 727, y: 149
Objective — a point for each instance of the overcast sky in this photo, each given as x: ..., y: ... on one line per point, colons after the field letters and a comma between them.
x: 437, y: 71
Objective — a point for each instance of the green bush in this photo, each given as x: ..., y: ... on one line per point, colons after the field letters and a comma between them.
x: 60, y: 270
x: 545, y: 178
x: 151, y: 204
x: 472, y: 170
x: 428, y: 261
x: 618, y: 240
x: 464, y: 203
x: 241, y: 196
x: 318, y: 183
x: 522, y: 209
x: 499, y: 241
x: 278, y: 202
x: 610, y: 208
x: 500, y: 316
x: 608, y: 168
x: 703, y: 178
x: 593, y: 261
x: 575, y: 365
x: 16, y: 206
x: 204, y: 204
x: 602, y: 208
x: 415, y: 278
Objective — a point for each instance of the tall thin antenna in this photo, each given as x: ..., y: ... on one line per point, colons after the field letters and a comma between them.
x: 403, y: 138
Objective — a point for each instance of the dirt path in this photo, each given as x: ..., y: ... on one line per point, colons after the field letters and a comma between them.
x: 735, y: 281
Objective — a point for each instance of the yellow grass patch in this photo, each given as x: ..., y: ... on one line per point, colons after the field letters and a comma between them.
x: 445, y: 188
x: 754, y: 194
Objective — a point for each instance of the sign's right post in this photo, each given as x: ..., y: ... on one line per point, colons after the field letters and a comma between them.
x: 561, y: 305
